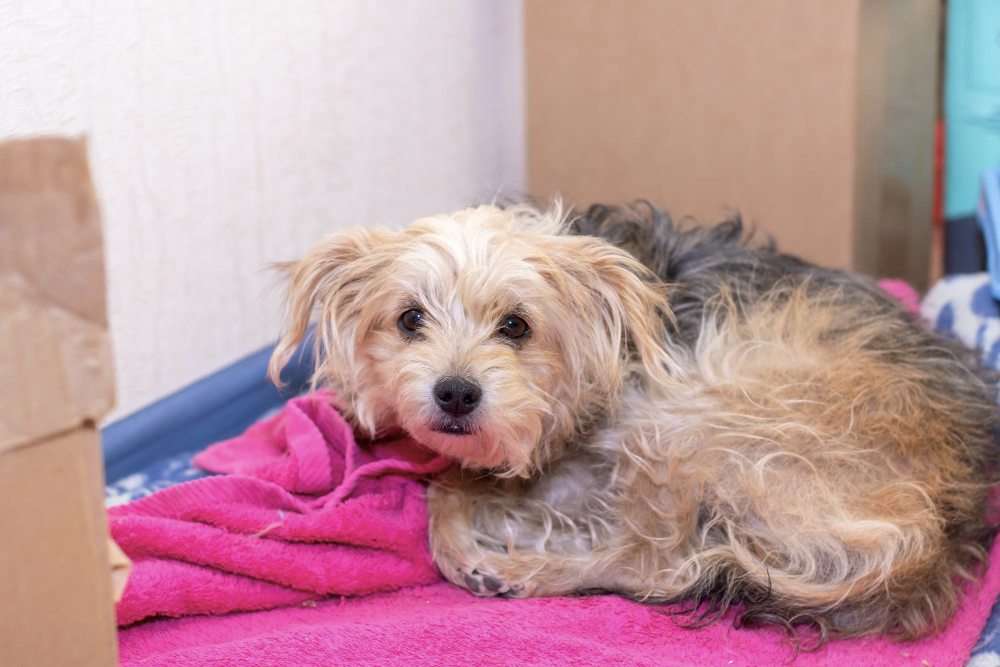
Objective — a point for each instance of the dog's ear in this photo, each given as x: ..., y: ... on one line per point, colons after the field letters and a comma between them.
x: 338, y: 278
x: 629, y: 303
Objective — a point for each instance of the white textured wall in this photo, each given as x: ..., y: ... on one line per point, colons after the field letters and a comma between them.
x: 228, y: 135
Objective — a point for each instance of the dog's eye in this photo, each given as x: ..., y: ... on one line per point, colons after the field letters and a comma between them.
x: 513, y: 327
x: 411, y: 320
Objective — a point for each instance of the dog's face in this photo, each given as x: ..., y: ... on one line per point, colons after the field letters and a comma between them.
x: 489, y: 335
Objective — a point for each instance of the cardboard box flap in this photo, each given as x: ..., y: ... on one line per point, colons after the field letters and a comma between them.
x: 52, y: 293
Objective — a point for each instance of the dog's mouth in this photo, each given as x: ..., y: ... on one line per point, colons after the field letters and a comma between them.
x: 458, y: 437
x: 451, y: 428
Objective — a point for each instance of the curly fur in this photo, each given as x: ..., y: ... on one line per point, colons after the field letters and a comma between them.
x: 695, y: 416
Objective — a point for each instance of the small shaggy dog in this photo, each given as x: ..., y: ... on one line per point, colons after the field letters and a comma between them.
x: 667, y: 412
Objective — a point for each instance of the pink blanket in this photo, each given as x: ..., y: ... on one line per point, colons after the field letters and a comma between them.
x: 311, y: 514
x: 256, y: 540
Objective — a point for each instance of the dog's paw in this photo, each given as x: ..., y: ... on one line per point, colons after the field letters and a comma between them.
x: 486, y: 585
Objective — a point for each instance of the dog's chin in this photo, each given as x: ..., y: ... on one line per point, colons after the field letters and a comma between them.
x: 459, y: 440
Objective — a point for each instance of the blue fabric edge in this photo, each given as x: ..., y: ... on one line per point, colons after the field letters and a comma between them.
x: 217, y: 407
x: 988, y: 215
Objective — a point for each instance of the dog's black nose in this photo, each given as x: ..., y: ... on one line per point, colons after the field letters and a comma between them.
x: 457, y: 396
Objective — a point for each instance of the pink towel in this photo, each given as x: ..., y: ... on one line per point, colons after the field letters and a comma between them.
x: 241, y: 543
x: 902, y: 292
x: 445, y: 626
x: 254, y: 540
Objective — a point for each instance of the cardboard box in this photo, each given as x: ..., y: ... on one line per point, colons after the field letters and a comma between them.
x: 814, y: 119
x: 56, y: 599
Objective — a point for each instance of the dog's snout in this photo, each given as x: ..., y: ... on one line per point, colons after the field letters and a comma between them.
x: 457, y: 396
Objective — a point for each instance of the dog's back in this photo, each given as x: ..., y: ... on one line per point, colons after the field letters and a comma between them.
x: 701, y: 262
x: 843, y: 452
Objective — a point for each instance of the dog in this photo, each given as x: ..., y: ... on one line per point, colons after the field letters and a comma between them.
x: 668, y: 412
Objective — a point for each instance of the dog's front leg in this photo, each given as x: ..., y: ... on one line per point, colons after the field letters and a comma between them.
x: 495, y: 542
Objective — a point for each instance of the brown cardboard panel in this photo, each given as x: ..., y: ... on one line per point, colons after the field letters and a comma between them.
x: 56, y: 604
x: 702, y: 106
x: 53, y: 320
x: 120, y: 567
x: 55, y: 381
x: 709, y: 107
x: 898, y: 86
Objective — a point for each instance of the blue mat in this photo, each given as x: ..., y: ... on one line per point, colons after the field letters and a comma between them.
x: 157, y: 475
x: 160, y: 474
x: 987, y: 652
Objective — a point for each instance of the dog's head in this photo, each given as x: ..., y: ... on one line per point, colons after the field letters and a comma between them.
x: 490, y: 335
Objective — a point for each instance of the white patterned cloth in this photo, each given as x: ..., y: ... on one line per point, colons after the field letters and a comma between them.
x: 963, y: 306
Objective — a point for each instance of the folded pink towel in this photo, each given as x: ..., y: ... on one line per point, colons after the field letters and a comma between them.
x: 254, y: 540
